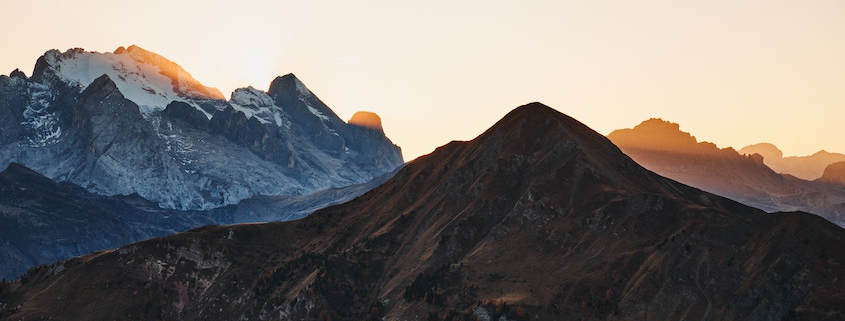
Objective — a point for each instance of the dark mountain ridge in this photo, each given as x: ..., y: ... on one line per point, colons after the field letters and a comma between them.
x: 537, y: 218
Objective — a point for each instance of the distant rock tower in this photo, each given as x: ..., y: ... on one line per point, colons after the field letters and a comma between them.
x: 366, y: 119
x: 834, y: 173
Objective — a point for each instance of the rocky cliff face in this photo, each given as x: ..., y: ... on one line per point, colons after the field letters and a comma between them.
x: 134, y: 122
x: 538, y: 218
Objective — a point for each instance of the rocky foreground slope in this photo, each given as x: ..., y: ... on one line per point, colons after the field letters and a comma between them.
x: 538, y: 218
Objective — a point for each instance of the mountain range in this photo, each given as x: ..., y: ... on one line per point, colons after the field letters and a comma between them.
x: 804, y: 167
x: 539, y: 217
x: 662, y: 147
x: 132, y: 121
x: 133, y: 147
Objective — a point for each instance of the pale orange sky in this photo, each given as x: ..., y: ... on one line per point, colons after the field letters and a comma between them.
x: 730, y: 72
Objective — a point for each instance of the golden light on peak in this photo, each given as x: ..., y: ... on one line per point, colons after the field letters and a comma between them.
x: 366, y: 119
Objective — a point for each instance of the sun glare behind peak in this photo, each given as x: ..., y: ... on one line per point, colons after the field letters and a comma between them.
x: 255, y: 66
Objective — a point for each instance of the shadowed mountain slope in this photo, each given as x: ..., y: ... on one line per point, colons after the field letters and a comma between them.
x: 539, y: 217
x: 42, y: 221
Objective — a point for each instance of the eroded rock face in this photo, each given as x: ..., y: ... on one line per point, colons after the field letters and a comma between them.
x: 539, y: 216
x: 135, y: 122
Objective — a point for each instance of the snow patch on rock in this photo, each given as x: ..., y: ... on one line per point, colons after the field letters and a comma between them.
x: 43, y: 125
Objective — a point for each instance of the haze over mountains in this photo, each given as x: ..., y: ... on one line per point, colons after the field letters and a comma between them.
x: 134, y: 122
x: 663, y: 148
x: 537, y: 218
x: 834, y: 174
x: 804, y: 167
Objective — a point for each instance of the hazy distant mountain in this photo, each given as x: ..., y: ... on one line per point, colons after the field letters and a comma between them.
x: 538, y: 218
x: 134, y: 122
x: 804, y: 167
x: 834, y: 173
x: 663, y: 148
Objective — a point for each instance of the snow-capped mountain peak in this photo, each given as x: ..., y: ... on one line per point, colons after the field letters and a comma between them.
x: 251, y: 96
x: 148, y: 79
x: 148, y: 127
x: 290, y: 89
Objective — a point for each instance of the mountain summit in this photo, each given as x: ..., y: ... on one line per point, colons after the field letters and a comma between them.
x: 366, y: 119
x: 656, y: 134
x: 146, y: 78
x: 539, y: 217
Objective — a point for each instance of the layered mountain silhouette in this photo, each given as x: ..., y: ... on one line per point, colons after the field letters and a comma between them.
x: 804, y: 167
x: 539, y: 217
x: 42, y: 221
x: 663, y: 148
x: 134, y: 122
